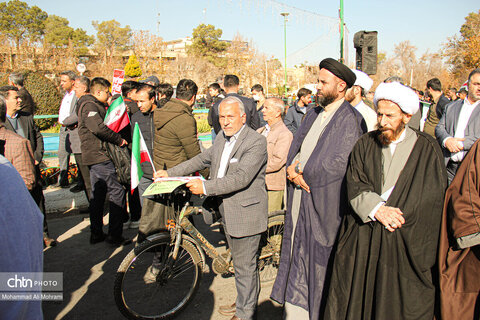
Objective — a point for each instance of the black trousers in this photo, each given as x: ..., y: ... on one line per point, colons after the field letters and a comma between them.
x: 104, y: 179
x: 83, y: 175
x: 37, y: 195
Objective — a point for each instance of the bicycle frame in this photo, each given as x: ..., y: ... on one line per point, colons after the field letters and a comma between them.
x: 186, y: 225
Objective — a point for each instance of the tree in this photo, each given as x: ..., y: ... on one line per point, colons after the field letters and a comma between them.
x: 405, y: 52
x: 463, y: 51
x: 60, y: 35
x: 148, y: 48
x: 206, y: 43
x: 19, y: 21
x: 132, y: 68
x: 111, y: 37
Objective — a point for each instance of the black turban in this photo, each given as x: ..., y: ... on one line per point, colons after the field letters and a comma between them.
x: 339, y: 70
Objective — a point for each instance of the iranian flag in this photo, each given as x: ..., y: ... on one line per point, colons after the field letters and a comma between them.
x: 117, y: 117
x: 139, y: 155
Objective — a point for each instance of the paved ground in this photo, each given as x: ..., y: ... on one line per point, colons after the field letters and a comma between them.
x: 89, y: 271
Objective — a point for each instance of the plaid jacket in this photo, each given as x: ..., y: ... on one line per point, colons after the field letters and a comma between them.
x: 19, y: 152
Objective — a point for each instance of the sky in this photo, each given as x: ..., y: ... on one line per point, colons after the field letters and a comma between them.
x: 312, y: 30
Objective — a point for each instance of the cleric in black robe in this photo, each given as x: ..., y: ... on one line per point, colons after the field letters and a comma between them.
x: 387, y: 243
x: 316, y: 166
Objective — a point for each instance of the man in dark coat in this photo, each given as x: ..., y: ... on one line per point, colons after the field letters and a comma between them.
x: 27, y: 105
x: 81, y: 88
x: 316, y: 165
x: 231, y: 84
x: 93, y: 134
x: 145, y: 98
x: 23, y: 124
x: 386, y: 248
x: 437, y: 108
x: 297, y: 111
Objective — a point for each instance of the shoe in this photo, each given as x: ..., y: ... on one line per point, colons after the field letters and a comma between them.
x: 76, y: 189
x: 117, y: 241
x: 235, y: 318
x: 63, y: 184
x: 97, y: 238
x: 134, y: 224
x: 151, y: 275
x: 228, y: 309
x: 49, y: 242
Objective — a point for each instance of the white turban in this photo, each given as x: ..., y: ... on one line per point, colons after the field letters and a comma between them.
x: 399, y: 94
x: 363, y: 80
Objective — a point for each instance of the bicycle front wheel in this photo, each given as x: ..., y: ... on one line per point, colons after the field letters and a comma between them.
x: 149, y: 284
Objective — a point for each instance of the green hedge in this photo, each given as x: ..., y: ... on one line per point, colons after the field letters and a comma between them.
x: 44, y: 92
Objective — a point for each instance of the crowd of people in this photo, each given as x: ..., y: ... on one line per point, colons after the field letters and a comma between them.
x: 381, y: 199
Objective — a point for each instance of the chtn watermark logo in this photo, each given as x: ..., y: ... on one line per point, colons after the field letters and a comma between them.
x: 27, y: 283
x: 31, y: 281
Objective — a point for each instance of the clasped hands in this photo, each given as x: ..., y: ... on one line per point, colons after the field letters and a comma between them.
x: 195, y: 185
x: 454, y: 144
x: 392, y: 218
x: 296, y: 177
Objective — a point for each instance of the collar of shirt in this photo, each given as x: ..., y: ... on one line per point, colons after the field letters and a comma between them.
x: 466, y: 102
x: 393, y: 144
x: 14, y: 116
x: 333, y: 106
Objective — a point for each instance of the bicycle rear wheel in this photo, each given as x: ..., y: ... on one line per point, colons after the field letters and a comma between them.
x: 271, y: 246
x: 150, y: 285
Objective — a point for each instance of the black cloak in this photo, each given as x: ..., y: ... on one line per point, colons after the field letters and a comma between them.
x: 379, y: 274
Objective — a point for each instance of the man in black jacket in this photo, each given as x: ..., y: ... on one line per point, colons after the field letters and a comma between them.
x: 144, y: 117
x: 22, y: 123
x: 93, y: 134
x: 17, y: 79
x: 231, y: 84
x: 437, y: 108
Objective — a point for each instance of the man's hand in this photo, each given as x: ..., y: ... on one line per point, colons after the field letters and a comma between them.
x: 297, y: 178
x: 392, y: 218
x: 195, y: 186
x: 454, y: 144
x: 160, y: 174
x: 124, y: 143
x: 291, y: 171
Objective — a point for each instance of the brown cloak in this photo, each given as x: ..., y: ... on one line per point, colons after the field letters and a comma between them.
x: 460, y: 269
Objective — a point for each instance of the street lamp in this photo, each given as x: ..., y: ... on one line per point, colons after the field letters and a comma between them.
x: 285, y: 15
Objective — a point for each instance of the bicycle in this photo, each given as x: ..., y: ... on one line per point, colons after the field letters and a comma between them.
x: 159, y: 277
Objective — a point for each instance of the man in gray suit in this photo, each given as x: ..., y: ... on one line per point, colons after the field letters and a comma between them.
x: 238, y: 160
x: 67, y: 108
x: 459, y: 127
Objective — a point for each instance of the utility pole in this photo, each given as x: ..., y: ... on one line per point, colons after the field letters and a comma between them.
x: 285, y: 15
x: 342, y: 26
x: 266, y: 75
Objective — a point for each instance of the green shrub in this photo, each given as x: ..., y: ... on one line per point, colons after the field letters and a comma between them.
x: 203, y: 126
x: 44, y: 92
x: 46, y: 95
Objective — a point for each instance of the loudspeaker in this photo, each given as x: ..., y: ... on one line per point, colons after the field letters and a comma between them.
x: 365, y: 43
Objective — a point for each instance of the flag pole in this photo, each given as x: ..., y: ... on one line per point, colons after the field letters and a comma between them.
x: 141, y: 136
